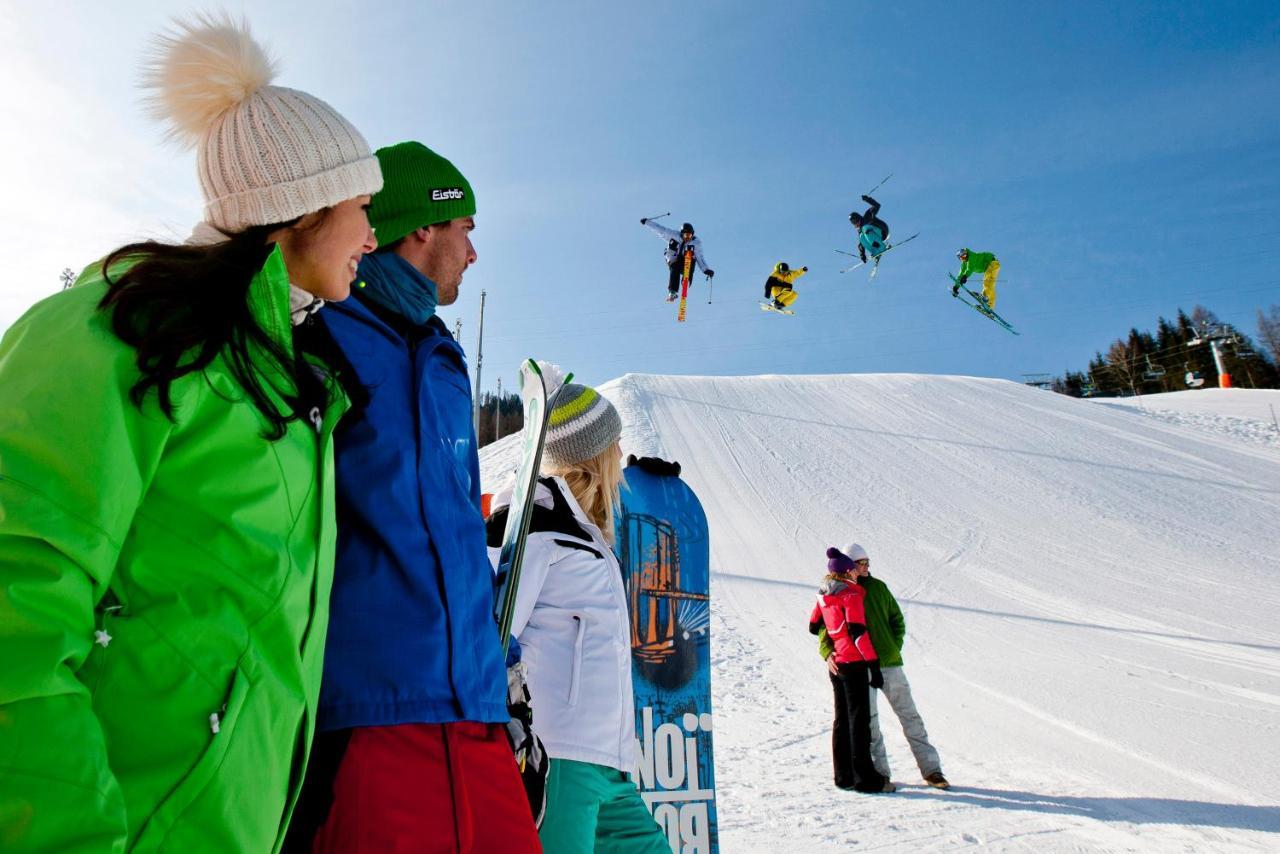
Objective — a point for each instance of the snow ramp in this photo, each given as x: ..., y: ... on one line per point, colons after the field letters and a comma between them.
x: 1091, y: 596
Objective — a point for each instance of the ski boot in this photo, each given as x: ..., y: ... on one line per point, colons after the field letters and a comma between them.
x: 671, y: 296
x: 778, y: 304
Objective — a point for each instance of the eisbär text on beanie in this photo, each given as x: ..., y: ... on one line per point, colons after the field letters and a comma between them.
x: 420, y: 188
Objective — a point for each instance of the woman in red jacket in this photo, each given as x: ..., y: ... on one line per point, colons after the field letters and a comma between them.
x: 840, y: 608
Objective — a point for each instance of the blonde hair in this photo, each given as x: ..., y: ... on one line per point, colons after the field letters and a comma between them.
x: 596, y: 484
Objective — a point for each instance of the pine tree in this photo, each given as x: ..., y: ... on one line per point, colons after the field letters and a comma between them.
x: 1142, y: 363
x: 1269, y: 332
x: 505, y: 414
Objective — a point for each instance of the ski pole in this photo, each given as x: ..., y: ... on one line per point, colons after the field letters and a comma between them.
x: 659, y: 216
x: 711, y: 286
x: 878, y: 186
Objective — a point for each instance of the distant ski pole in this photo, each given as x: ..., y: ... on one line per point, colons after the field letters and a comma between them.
x: 659, y: 216
x: 711, y: 286
x: 878, y: 186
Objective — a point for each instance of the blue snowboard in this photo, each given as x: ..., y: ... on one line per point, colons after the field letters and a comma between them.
x: 665, y: 555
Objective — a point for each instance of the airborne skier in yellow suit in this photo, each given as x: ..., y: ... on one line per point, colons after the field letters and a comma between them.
x: 779, y: 287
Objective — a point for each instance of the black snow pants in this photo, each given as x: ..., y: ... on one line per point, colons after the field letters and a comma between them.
x: 851, y: 730
x: 677, y: 271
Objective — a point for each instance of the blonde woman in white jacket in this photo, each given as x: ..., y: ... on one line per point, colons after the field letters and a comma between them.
x: 575, y: 638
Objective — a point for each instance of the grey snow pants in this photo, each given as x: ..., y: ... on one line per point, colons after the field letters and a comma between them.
x: 897, y: 690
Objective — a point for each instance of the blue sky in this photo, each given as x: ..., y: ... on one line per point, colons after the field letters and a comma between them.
x: 1120, y: 158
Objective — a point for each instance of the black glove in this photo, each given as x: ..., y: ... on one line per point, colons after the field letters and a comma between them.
x: 711, y: 274
x: 877, y: 678
x: 963, y: 278
x: 672, y: 245
x: 644, y: 220
x: 804, y: 269
x: 654, y: 465
x: 955, y: 290
x: 869, y: 200
x: 531, y: 758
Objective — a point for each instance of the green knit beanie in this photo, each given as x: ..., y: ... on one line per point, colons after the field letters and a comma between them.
x: 419, y: 188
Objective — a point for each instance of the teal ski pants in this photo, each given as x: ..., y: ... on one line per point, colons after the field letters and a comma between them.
x: 594, y: 808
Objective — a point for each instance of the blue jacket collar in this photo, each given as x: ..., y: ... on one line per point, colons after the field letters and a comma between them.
x: 396, y: 285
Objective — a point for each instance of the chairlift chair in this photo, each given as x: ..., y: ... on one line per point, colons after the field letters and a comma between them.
x: 1153, y: 372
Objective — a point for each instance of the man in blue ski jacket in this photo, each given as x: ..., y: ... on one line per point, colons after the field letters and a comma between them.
x: 412, y: 750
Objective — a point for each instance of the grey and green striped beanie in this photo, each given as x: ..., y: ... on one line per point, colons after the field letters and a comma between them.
x: 582, y: 425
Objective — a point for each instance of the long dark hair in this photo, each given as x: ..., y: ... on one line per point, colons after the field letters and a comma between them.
x: 180, y: 306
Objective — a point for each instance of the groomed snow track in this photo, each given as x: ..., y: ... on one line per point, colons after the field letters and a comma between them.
x: 1092, y: 598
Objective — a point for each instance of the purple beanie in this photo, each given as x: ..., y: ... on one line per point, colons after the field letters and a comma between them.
x: 838, y: 562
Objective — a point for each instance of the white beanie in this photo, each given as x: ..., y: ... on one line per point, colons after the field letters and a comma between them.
x: 266, y: 154
x: 855, y: 552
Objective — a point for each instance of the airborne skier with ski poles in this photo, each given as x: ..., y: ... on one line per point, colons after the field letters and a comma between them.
x: 873, y: 232
x: 677, y: 243
x: 779, y: 288
x: 978, y: 262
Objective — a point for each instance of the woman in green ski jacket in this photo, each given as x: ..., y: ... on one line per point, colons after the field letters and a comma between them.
x: 166, y: 495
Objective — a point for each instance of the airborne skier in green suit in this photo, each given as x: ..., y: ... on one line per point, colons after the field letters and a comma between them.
x: 978, y: 262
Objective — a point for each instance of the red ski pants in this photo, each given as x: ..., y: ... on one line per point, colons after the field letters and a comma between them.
x: 427, y: 788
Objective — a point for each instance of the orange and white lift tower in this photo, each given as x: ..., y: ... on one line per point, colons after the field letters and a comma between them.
x: 1214, y: 339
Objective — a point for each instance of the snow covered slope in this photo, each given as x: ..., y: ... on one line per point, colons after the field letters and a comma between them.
x: 1091, y: 598
x: 1248, y: 414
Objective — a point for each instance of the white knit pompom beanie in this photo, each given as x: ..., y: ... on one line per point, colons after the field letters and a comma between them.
x: 266, y: 154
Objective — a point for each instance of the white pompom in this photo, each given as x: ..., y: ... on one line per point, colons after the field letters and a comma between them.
x: 552, y: 375
x: 200, y: 70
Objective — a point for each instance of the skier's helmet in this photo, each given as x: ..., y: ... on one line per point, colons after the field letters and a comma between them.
x: 962, y: 254
x: 855, y: 218
x: 686, y: 229
x: 783, y: 268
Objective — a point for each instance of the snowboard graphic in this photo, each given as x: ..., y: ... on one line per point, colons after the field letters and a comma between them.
x: 665, y: 555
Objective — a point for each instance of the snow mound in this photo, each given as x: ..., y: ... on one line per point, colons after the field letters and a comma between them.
x: 1247, y: 415
x: 1090, y: 593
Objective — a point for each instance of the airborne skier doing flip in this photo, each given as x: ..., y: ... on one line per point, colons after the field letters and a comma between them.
x: 677, y: 242
x: 873, y: 232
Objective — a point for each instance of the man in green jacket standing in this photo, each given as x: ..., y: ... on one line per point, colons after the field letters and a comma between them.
x: 888, y: 629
